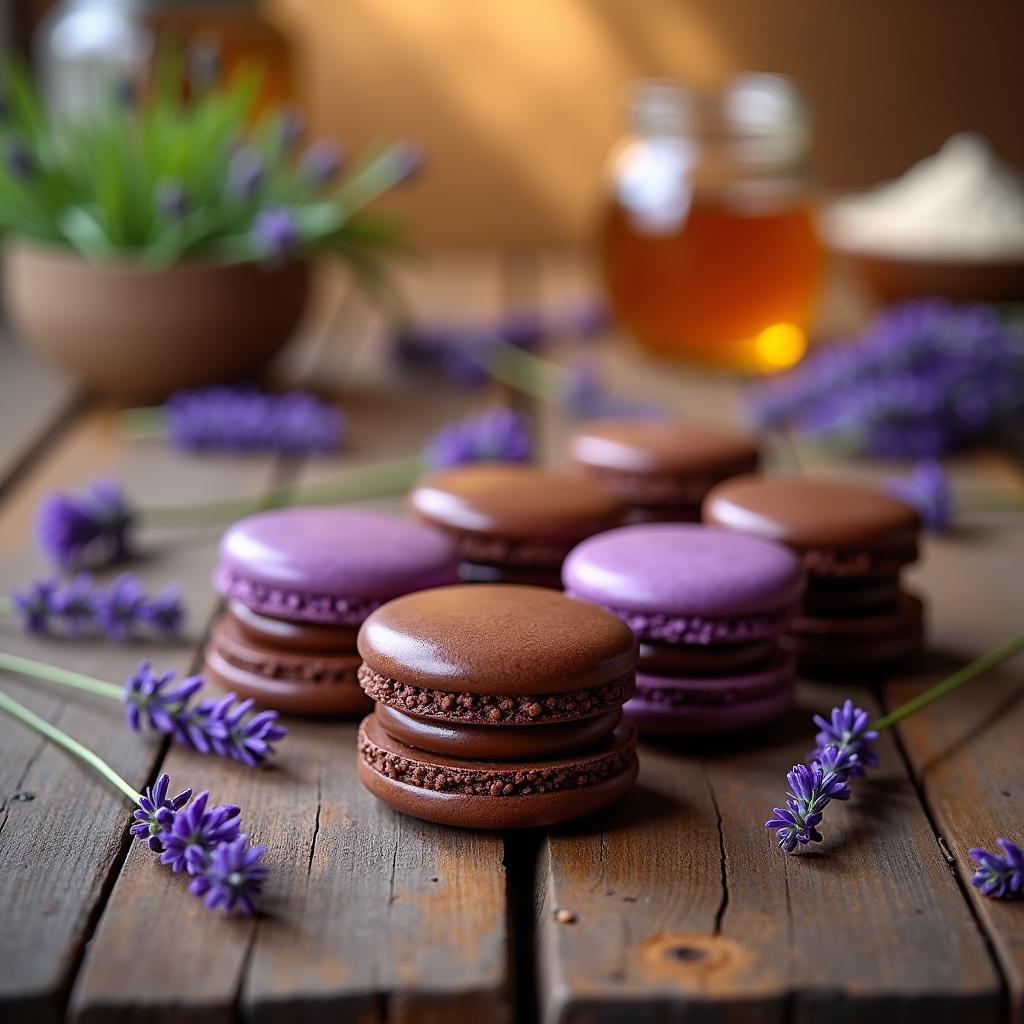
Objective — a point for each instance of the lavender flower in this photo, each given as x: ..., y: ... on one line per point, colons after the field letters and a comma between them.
x: 120, y: 607
x: 322, y: 161
x: 231, y: 876
x: 164, y: 612
x: 847, y: 731
x: 37, y: 606
x: 246, y: 173
x: 171, y: 200
x: 812, y: 788
x: 275, y: 233
x: 90, y: 529
x: 586, y: 398
x: 155, y: 813
x: 925, y: 377
x: 214, y: 725
x: 157, y: 699
x: 194, y: 831
x: 927, y: 490
x: 246, y: 420
x: 495, y: 435
x: 77, y: 605
x: 1000, y: 877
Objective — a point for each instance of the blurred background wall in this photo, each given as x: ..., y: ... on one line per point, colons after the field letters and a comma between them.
x: 517, y: 101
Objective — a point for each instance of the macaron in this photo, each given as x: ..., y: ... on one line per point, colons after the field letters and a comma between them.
x: 661, y: 468
x: 513, y: 523
x: 707, y: 607
x: 299, y: 582
x: 854, y: 541
x: 497, y: 706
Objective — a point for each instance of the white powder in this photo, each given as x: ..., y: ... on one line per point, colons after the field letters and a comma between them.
x: 962, y: 204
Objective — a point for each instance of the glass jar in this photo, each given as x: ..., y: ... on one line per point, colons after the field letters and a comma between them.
x: 708, y: 245
x: 87, y: 47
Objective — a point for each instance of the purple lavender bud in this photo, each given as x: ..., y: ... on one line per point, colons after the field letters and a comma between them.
x: 77, y: 605
x: 848, y: 731
x: 811, y: 788
x: 230, y: 876
x: 1000, y: 877
x: 247, y: 420
x: 37, y: 606
x: 171, y: 200
x: 293, y: 124
x: 495, y: 435
x: 196, y: 829
x: 524, y: 328
x: 927, y: 490
x: 89, y: 530
x: 216, y: 726
x: 156, y: 700
x: 155, y: 813
x: 322, y: 161
x: 247, y: 171
x: 275, y: 233
x: 586, y: 398
x: 20, y: 161
x: 119, y: 608
x: 164, y: 612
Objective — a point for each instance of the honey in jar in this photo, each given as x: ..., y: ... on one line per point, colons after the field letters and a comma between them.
x: 708, y: 244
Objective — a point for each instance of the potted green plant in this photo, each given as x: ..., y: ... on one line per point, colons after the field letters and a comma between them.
x: 165, y: 243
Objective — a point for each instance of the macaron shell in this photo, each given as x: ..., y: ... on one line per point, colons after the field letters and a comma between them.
x: 662, y: 446
x: 307, y: 637
x: 282, y: 679
x: 474, y: 795
x: 329, y: 564
x: 516, y: 502
x: 808, y: 513
x: 496, y: 639
x: 678, y: 569
x: 696, y: 705
x: 703, y: 660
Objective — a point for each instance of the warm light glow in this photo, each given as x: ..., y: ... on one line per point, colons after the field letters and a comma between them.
x: 780, y: 346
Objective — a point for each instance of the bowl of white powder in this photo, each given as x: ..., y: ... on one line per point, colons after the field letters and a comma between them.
x: 952, y: 225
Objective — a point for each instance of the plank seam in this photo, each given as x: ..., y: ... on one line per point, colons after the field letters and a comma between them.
x: 724, y: 901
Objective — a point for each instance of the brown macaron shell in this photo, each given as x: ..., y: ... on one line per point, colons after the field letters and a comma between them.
x: 497, y: 642
x: 507, y: 514
x: 312, y: 683
x: 703, y: 660
x: 842, y: 530
x: 660, y: 463
x: 495, y: 795
x: 841, y: 644
x: 508, y: 743
x: 474, y: 572
x: 298, y: 636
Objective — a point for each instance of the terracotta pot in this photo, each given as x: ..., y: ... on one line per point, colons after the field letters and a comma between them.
x: 139, y: 333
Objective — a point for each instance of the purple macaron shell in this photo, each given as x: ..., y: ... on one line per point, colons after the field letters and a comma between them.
x: 662, y: 704
x: 329, y: 564
x: 678, y: 583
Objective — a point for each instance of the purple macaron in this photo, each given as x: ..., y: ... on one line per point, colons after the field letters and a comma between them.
x: 706, y: 606
x: 299, y: 582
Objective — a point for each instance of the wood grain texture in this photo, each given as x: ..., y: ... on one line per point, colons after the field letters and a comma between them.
x: 368, y: 915
x: 60, y: 850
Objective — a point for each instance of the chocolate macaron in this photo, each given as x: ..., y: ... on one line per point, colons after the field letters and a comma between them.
x: 661, y: 468
x: 299, y: 583
x: 707, y: 607
x: 513, y: 523
x: 854, y: 541
x: 498, y: 706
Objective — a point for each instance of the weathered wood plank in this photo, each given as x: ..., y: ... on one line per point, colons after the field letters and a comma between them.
x: 683, y: 909
x: 60, y: 851
x: 34, y: 398
x: 368, y: 916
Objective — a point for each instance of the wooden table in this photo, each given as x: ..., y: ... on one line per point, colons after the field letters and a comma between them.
x: 674, y: 906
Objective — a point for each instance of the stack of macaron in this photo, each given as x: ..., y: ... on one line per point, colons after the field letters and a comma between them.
x: 497, y: 706
x: 299, y: 583
x: 707, y: 607
x: 513, y: 523
x: 661, y: 468
x: 854, y: 541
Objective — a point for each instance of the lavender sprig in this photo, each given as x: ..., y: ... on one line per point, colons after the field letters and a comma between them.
x: 927, y: 489
x: 811, y: 789
x: 1001, y: 877
x: 230, y: 876
x: 495, y: 435
x: 847, y: 730
x: 155, y: 813
x: 122, y: 611
x: 194, y: 830
x: 91, y: 529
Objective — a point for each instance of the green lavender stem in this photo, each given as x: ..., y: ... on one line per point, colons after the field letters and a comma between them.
x: 391, y: 477
x: 953, y: 682
x: 52, y: 674
x: 143, y: 424
x: 61, y: 739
